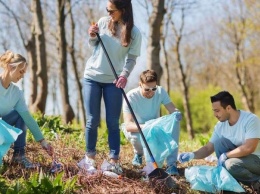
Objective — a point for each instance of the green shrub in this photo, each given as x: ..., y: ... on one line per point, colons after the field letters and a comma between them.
x: 203, y: 118
x: 3, y: 186
x: 52, y: 126
x: 40, y: 183
x: 202, y: 115
x: 204, y: 139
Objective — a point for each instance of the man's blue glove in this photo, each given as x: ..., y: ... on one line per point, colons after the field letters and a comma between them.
x: 185, y: 157
x: 222, y: 158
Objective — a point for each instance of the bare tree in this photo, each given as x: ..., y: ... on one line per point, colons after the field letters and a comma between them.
x: 183, y: 80
x: 155, y: 26
x: 237, y: 32
x: 170, y: 9
x: 242, y: 73
x: 68, y: 113
x: 30, y: 46
x: 32, y: 62
x: 71, y: 50
x: 42, y: 78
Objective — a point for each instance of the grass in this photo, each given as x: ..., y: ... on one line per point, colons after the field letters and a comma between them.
x: 70, y: 149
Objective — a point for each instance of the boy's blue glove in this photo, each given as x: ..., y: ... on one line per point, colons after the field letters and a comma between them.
x: 222, y: 158
x: 178, y: 116
x: 185, y: 157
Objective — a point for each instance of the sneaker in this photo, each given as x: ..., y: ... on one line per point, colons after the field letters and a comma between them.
x: 87, y: 164
x: 113, y: 167
x: 137, y: 160
x: 256, y: 186
x: 25, y: 162
x: 172, y: 170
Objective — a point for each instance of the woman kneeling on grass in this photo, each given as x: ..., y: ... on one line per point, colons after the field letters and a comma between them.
x: 13, y: 109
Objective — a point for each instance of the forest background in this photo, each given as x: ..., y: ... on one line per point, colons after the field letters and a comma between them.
x: 197, y: 47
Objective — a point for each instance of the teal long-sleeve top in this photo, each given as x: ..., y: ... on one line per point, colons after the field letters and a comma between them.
x: 12, y: 98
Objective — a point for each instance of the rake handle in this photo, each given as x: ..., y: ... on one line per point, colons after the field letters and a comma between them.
x: 128, y: 104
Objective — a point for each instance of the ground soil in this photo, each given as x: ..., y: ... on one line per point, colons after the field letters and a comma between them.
x: 131, y: 182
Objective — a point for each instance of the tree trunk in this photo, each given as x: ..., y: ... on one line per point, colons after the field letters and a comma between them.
x: 68, y: 113
x: 42, y: 77
x: 30, y: 47
x: 244, y: 80
x: 71, y: 50
x: 185, y: 92
x: 155, y: 26
x: 32, y: 64
x: 183, y: 81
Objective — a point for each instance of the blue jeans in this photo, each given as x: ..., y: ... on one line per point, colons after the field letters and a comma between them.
x: 14, y: 119
x: 245, y: 169
x: 93, y: 92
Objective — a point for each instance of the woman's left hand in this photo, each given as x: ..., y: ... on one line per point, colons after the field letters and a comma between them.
x: 47, y: 147
x: 121, y: 82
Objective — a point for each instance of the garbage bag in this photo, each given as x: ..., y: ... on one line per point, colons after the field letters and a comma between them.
x: 159, y: 136
x: 211, y: 179
x: 8, y: 134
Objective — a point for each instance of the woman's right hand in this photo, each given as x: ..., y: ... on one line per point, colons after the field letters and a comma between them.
x: 47, y: 147
x: 93, y: 29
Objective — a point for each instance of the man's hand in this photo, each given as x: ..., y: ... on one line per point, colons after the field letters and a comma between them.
x: 46, y: 146
x: 222, y: 158
x: 186, y: 157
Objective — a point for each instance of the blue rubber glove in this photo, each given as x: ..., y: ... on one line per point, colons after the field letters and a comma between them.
x: 185, y: 157
x: 222, y: 158
x: 178, y: 116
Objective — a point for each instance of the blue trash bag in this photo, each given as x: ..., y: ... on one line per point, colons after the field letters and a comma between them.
x: 8, y: 134
x: 159, y: 136
x: 212, y: 179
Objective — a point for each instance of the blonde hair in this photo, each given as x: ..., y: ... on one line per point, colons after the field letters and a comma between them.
x: 12, y: 59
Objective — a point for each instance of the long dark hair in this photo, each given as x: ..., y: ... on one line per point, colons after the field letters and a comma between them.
x: 125, y: 6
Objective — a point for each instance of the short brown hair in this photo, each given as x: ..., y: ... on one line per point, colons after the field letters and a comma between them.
x: 148, y: 76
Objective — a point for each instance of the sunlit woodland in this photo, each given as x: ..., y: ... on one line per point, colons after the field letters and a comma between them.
x: 197, y: 47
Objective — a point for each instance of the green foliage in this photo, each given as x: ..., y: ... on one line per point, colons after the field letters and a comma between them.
x: 202, y: 115
x: 204, y: 139
x: 201, y: 112
x: 3, y: 186
x: 203, y: 118
x: 102, y: 142
x: 40, y: 183
x: 123, y: 140
x: 52, y: 127
x: 54, y: 124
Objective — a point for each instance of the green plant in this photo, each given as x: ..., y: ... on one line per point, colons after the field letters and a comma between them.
x: 52, y: 127
x: 41, y: 183
x: 3, y: 186
x: 203, y: 139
